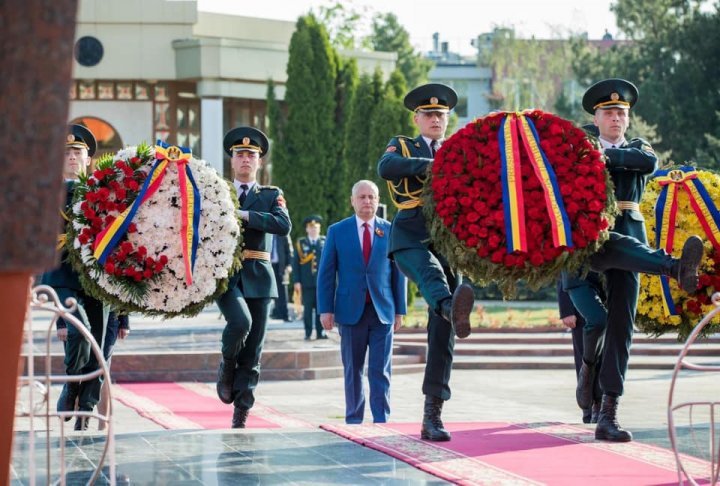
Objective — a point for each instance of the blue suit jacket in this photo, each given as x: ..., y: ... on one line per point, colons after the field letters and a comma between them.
x: 343, y: 277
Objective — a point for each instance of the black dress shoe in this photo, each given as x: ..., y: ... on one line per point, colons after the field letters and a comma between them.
x: 322, y: 336
x: 685, y: 270
x: 239, y: 418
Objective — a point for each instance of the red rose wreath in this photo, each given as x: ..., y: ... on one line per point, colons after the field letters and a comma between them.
x: 518, y: 196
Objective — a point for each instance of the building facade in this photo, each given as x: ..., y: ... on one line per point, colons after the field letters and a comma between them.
x: 160, y: 69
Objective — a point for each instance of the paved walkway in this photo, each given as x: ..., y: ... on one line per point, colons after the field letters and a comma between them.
x: 145, y: 452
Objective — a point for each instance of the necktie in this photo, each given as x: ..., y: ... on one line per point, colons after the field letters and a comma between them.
x: 366, y: 247
x: 243, y: 194
x: 433, y: 147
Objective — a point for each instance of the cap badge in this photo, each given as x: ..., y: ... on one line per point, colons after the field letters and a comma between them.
x: 246, y: 141
x: 70, y: 137
x: 614, y: 96
x: 433, y: 101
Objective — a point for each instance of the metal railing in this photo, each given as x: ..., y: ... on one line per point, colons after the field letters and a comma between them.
x: 44, y: 298
x: 683, y: 362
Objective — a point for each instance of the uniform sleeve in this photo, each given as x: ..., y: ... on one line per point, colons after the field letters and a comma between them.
x: 392, y: 165
x: 275, y: 221
x: 637, y: 156
x: 296, y: 264
x: 327, y: 275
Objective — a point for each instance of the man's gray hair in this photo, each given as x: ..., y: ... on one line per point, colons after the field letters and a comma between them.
x: 365, y: 182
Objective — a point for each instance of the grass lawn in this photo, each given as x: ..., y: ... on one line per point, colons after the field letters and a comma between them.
x: 501, y: 316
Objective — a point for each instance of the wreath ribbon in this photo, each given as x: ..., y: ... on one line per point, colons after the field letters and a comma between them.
x: 672, y: 181
x: 165, y: 154
x: 517, y: 132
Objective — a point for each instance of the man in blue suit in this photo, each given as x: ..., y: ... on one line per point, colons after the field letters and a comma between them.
x: 362, y: 290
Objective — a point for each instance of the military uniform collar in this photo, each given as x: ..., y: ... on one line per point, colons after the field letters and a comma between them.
x: 250, y: 185
x: 606, y: 145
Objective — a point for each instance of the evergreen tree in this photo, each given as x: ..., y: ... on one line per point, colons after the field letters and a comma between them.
x: 346, y: 84
x: 390, y: 118
x: 357, y: 131
x: 388, y: 35
x: 308, y: 153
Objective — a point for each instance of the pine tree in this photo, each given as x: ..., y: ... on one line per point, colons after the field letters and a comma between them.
x: 357, y: 131
x: 345, y: 86
x: 307, y: 158
x: 389, y: 119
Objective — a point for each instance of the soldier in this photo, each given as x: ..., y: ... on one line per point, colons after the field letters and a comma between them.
x: 607, y: 334
x: 308, y: 251
x: 246, y: 302
x: 79, y: 358
x: 404, y: 166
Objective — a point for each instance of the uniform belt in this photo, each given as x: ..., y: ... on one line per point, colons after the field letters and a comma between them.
x: 628, y: 205
x: 255, y: 255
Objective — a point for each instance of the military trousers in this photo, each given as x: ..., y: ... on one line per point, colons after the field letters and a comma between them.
x: 436, y: 282
x: 234, y: 308
x: 79, y: 357
x: 427, y: 270
x: 247, y: 373
x: 309, y: 300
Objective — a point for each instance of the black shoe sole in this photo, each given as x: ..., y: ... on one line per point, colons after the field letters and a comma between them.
x: 426, y: 436
x: 612, y: 439
x: 463, y: 301
x: 692, y: 253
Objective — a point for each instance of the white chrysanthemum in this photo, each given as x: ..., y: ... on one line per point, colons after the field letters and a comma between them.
x: 158, y: 222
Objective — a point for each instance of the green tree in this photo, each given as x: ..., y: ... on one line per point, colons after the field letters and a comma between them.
x: 307, y: 154
x: 390, y: 118
x: 674, y: 60
x: 357, y: 132
x: 343, y: 20
x: 345, y: 87
x: 389, y: 36
x: 521, y: 68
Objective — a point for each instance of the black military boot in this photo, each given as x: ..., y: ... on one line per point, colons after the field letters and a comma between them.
x: 608, y: 427
x: 685, y: 270
x: 68, y: 396
x: 240, y: 416
x: 226, y: 377
x: 432, y: 426
x: 457, y: 310
x: 584, y: 390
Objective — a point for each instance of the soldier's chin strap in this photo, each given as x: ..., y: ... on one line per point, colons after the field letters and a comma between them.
x: 402, y: 190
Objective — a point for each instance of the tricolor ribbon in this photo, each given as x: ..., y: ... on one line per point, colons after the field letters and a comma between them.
x: 165, y: 154
x: 666, y: 206
x: 518, y: 131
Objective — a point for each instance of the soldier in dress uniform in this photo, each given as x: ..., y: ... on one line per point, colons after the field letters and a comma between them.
x: 79, y: 359
x: 245, y: 304
x: 308, y: 251
x: 404, y: 165
x: 607, y: 334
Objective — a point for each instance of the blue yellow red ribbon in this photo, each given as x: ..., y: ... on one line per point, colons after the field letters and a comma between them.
x: 671, y: 181
x: 165, y: 154
x: 516, y: 128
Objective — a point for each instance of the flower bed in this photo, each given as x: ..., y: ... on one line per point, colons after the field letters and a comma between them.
x: 145, y: 256
x: 518, y: 197
x: 664, y: 306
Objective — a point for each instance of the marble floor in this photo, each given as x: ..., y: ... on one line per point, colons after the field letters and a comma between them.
x: 307, y: 456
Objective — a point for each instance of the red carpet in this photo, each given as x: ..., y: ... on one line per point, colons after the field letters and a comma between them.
x: 192, y: 406
x: 505, y: 453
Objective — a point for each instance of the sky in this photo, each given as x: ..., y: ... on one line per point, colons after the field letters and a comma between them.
x: 457, y: 21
